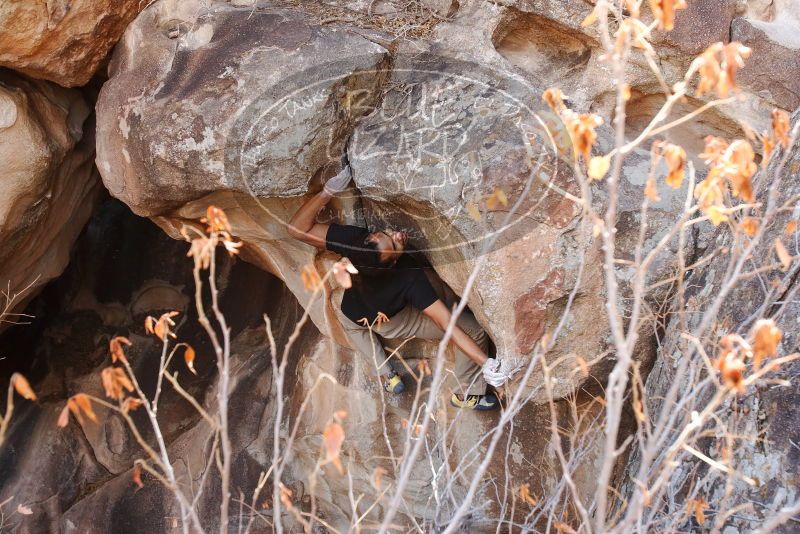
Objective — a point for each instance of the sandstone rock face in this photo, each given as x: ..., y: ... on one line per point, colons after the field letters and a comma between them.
x: 250, y: 105
x: 49, y: 181
x: 62, y: 41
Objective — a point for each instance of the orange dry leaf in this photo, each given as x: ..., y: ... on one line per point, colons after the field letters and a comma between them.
x: 555, y: 99
x: 162, y: 328
x: 472, y: 211
x: 675, y: 157
x: 731, y: 369
x: 63, y: 418
x: 286, y: 496
x: 698, y: 508
x: 136, y: 476
x: 188, y: 357
x: 332, y: 439
x: 664, y: 12
x: 114, y: 381
x: 765, y: 339
x: 217, y: 220
x: 525, y: 494
x: 115, y: 346
x: 791, y: 227
x: 22, y: 387
x: 716, y: 214
x: 598, y: 167
x: 783, y: 255
x: 651, y: 191
x: 564, y: 528
x: 584, y: 367
x: 377, y: 477
x: 739, y: 168
x: 130, y: 404
x: 497, y: 197
x: 718, y: 66
x: 84, y: 404
x: 749, y: 226
x: 780, y: 127
x: 310, y: 278
x: 580, y: 127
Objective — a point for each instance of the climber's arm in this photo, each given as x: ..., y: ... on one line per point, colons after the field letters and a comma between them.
x: 304, y: 227
x: 440, y: 315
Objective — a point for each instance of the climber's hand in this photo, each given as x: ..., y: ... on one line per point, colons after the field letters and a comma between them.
x: 498, y: 372
x: 492, y: 374
x: 338, y: 183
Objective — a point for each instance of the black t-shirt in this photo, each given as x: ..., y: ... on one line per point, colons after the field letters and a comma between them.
x: 404, y: 283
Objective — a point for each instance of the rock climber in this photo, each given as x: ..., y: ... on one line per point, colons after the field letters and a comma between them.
x: 391, y: 285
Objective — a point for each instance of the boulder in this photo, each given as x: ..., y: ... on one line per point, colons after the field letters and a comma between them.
x: 776, y: 53
x: 64, y: 41
x: 49, y: 184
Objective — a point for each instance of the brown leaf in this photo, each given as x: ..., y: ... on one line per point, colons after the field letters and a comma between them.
x: 698, y: 507
x: 584, y: 367
x: 63, y: 418
x: 310, y: 278
x: 217, y: 220
x: 116, y: 343
x: 651, y: 191
x: 188, y: 357
x: 581, y: 129
x: 731, y: 369
x: 780, y: 127
x: 554, y: 98
x: 472, y: 211
x: 286, y: 496
x: 765, y: 340
x: 75, y: 409
x: 675, y: 157
x: 718, y: 66
x: 163, y: 327
x: 136, y: 476
x: 22, y: 387
x: 750, y: 226
x: 664, y: 12
x: 497, y: 197
x: 783, y: 255
x: 377, y: 477
x: 525, y: 494
x: 85, y: 404
x: 791, y: 227
x: 114, y: 381
x: 130, y: 404
x: 560, y: 527
x: 598, y: 167
x: 332, y: 439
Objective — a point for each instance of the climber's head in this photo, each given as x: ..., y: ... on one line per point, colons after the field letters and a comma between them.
x: 388, y: 244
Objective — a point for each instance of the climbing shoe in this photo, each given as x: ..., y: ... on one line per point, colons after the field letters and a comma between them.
x: 476, y: 402
x: 394, y: 384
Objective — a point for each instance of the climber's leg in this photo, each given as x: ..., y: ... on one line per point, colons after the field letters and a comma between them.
x: 411, y: 323
x: 368, y: 345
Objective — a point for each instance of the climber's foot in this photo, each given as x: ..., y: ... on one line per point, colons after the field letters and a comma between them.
x: 476, y: 402
x: 394, y: 384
